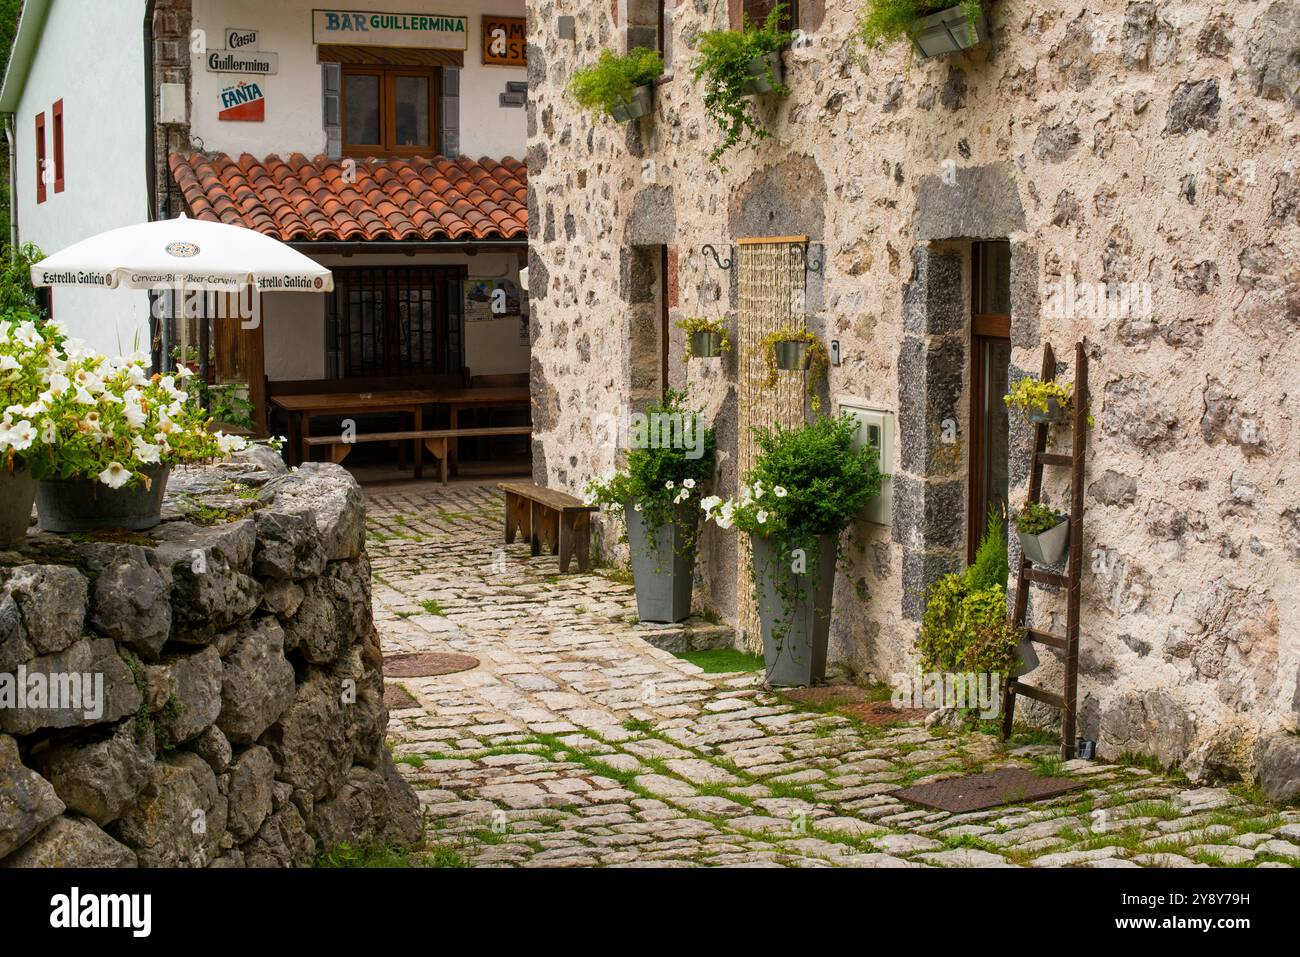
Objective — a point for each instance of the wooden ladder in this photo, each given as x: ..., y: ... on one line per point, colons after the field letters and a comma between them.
x: 1067, y: 644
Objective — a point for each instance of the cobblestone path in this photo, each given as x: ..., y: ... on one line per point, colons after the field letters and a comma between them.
x: 577, y: 743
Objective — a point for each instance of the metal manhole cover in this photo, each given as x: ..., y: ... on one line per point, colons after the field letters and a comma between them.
x: 883, y: 713
x: 427, y: 664
x: 976, y: 792
x: 397, y: 698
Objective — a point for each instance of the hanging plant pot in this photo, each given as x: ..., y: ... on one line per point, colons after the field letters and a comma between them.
x: 641, y: 104
x: 792, y: 355
x: 764, y: 73
x: 706, y: 345
x: 663, y: 567
x: 1055, y: 412
x: 1046, y: 548
x: 947, y: 31
x: 794, y: 638
x: 83, y: 504
x: 17, y: 493
x: 1028, y: 658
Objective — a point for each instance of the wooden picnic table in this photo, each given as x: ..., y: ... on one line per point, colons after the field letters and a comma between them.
x: 412, y: 401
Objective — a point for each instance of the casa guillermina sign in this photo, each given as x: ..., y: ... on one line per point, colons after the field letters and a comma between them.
x: 363, y: 28
x: 242, y: 55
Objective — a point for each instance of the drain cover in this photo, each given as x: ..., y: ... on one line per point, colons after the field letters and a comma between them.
x: 883, y: 713
x: 397, y: 698
x: 976, y: 792
x: 427, y: 664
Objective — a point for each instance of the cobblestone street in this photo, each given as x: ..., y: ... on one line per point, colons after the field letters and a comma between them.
x: 578, y: 743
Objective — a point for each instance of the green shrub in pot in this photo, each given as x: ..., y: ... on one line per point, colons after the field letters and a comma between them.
x: 881, y: 22
x: 608, y: 86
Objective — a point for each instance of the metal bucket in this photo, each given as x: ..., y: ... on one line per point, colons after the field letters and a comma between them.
x: 792, y: 355
x: 82, y: 504
x: 706, y: 345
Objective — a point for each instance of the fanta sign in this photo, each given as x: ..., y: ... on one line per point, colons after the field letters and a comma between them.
x: 243, y: 103
x: 357, y: 28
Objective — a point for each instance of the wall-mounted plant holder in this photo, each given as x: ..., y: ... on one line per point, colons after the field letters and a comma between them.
x: 948, y: 31
x: 566, y: 27
x: 641, y: 104
x: 709, y: 249
x: 765, y: 72
x: 811, y: 256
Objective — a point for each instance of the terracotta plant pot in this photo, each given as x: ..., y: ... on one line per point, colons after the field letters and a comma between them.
x: 947, y: 31
x: 663, y: 568
x: 792, y: 355
x: 84, y: 504
x: 1046, y: 548
x: 760, y: 68
x: 794, y: 639
x: 706, y: 345
x: 641, y: 104
x: 17, y: 493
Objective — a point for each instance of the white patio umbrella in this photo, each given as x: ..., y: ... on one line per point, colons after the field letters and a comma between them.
x: 183, y: 254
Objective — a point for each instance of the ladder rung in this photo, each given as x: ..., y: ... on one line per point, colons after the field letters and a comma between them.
x: 1055, y: 458
x: 1046, y: 578
x: 1038, y: 694
x: 1047, y: 638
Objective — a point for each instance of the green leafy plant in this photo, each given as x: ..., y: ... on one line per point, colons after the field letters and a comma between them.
x: 965, y: 628
x: 16, y: 290
x: 990, y: 566
x: 228, y: 405
x: 723, y: 66
x: 881, y: 22
x: 662, y: 480
x: 692, y: 325
x: 806, y: 482
x: 1036, y: 518
x: 611, y: 80
x: 1034, y: 395
x: 819, y: 359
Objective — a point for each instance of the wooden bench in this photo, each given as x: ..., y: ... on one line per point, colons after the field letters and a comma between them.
x: 559, y: 518
x: 436, y: 441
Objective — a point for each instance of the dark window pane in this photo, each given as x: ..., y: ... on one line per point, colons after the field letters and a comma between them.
x: 412, y: 110
x: 361, y: 101
x: 993, y: 270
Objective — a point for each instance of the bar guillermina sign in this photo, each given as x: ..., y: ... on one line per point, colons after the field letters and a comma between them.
x: 356, y: 28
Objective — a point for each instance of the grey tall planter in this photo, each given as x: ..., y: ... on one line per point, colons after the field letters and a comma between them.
x: 663, y: 567
x: 17, y: 493
x: 798, y: 657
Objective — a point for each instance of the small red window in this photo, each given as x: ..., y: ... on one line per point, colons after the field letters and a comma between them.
x: 40, y: 157
x: 58, y: 147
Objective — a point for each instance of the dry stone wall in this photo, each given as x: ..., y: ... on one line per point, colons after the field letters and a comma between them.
x: 230, y: 708
x: 1112, y: 142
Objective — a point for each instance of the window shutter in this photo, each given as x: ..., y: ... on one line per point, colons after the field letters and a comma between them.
x: 331, y: 83
x: 449, y: 112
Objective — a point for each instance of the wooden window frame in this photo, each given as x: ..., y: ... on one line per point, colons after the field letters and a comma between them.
x: 984, y: 329
x: 41, y: 194
x: 388, y: 76
x: 792, y: 13
x: 58, y: 133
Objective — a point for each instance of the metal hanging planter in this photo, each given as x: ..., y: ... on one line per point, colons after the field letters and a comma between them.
x: 765, y: 72
x: 1046, y: 548
x: 1055, y: 413
x: 792, y: 355
x: 947, y: 31
x: 706, y: 345
x: 640, y: 104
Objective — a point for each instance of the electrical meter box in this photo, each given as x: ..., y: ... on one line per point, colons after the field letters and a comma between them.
x: 875, y: 425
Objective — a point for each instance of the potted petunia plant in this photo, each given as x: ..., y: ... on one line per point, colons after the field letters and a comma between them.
x: 26, y: 346
x: 807, y: 485
x: 111, y: 433
x: 657, y: 491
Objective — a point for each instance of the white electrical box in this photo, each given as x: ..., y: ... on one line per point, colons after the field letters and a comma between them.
x: 875, y: 425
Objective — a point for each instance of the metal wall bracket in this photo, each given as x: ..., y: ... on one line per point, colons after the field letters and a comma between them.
x: 709, y: 249
x: 803, y: 256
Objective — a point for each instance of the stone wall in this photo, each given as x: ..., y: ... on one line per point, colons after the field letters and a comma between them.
x: 1110, y: 142
x: 241, y: 720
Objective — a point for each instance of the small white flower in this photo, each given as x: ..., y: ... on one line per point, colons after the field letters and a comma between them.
x: 183, y: 371
x: 637, y: 507
x: 83, y: 397
x: 689, y: 483
x: 709, y: 504
x: 668, y: 484
x: 779, y: 492
x: 758, y: 489
x: 231, y: 443
x: 761, y: 517
x: 8, y: 363
x: 146, y: 453
x: 116, y: 475
x: 59, y: 384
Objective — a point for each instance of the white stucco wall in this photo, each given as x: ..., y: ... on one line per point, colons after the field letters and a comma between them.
x: 294, y: 332
x: 294, y: 120
x: 91, y: 56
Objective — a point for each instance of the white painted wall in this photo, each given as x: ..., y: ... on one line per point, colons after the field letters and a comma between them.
x: 294, y: 121
x: 294, y: 330
x: 91, y: 56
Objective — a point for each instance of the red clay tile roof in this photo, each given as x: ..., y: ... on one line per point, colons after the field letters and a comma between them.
x: 310, y: 199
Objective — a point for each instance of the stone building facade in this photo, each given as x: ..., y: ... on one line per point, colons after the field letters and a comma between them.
x: 1105, y: 145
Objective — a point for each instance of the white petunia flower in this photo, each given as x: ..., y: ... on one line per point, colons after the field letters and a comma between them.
x: 59, y: 384
x: 83, y: 397
x: 668, y: 484
x: 779, y: 492
x: 116, y: 475
x: 231, y: 443
x: 689, y: 483
x: 146, y: 453
x: 761, y: 517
